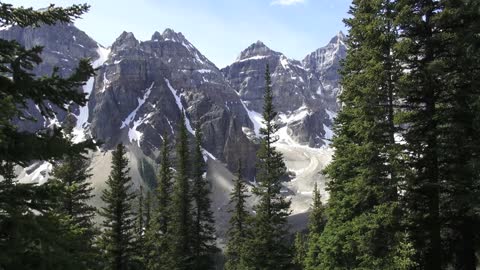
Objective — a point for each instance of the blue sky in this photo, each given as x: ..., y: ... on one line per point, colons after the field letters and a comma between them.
x: 220, y: 29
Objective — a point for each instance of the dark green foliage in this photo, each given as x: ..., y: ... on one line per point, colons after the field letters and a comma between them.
x: 239, y: 232
x: 158, y: 240
x: 300, y: 248
x: 179, y: 228
x: 316, y: 224
x: 70, y: 177
x: 269, y: 248
x: 317, y: 218
x: 140, y: 220
x: 18, y: 86
x: 440, y: 47
x: 118, y: 238
x: 363, y: 226
x: 203, y: 225
x: 33, y: 235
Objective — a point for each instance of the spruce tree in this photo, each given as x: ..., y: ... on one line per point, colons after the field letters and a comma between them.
x: 462, y: 157
x: 203, y: 225
x: 439, y: 48
x: 159, y: 255
x: 70, y: 177
x: 316, y: 224
x: 239, y: 231
x: 363, y: 229
x: 148, y: 211
x: 300, y: 247
x: 119, y: 219
x: 269, y: 248
x: 31, y: 235
x: 19, y: 86
x: 140, y: 222
x: 179, y: 228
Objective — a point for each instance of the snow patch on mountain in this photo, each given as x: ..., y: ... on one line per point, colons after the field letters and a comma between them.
x: 331, y: 115
x: 79, y: 131
x: 297, y: 115
x: 256, y: 57
x: 133, y: 133
x: 255, y: 117
x: 178, y: 100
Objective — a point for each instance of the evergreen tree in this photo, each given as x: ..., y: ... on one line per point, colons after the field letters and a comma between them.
x: 19, y: 86
x: 140, y: 226
x: 203, y: 225
x: 238, y: 233
x: 148, y: 211
x: 119, y: 224
x: 441, y: 94
x: 363, y: 229
x: 317, y: 218
x: 139, y: 257
x: 269, y: 248
x: 300, y: 247
x: 70, y: 176
x: 316, y: 224
x: 31, y: 235
x: 179, y: 229
x: 158, y: 236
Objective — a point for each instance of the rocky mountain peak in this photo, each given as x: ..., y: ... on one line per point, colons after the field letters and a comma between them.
x: 157, y: 36
x: 338, y: 40
x: 257, y: 49
x: 169, y: 34
x: 125, y: 40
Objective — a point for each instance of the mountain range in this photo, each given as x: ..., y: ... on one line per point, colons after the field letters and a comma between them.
x: 141, y: 89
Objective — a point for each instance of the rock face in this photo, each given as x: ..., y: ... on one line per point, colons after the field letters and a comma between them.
x: 63, y: 46
x: 305, y: 92
x: 324, y: 65
x: 142, y: 87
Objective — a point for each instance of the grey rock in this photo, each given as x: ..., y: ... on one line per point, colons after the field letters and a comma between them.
x: 63, y: 47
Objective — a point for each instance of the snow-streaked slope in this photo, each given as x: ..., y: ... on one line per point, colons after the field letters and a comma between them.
x: 79, y: 131
x: 178, y: 100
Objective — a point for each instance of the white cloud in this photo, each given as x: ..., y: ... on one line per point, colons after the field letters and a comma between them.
x: 287, y: 2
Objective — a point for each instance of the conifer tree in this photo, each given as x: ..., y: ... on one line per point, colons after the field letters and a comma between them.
x: 316, y: 224
x: 179, y: 228
x: 363, y: 225
x: 238, y: 233
x: 300, y: 247
x: 31, y: 235
x: 148, y: 211
x: 118, y: 239
x: 269, y: 248
x: 70, y: 177
x: 203, y: 225
x: 439, y: 89
x: 140, y: 223
x: 158, y: 235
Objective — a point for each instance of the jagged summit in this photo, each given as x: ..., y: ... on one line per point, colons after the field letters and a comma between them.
x: 170, y: 34
x: 157, y: 36
x: 257, y: 49
x: 125, y: 40
x: 340, y: 39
